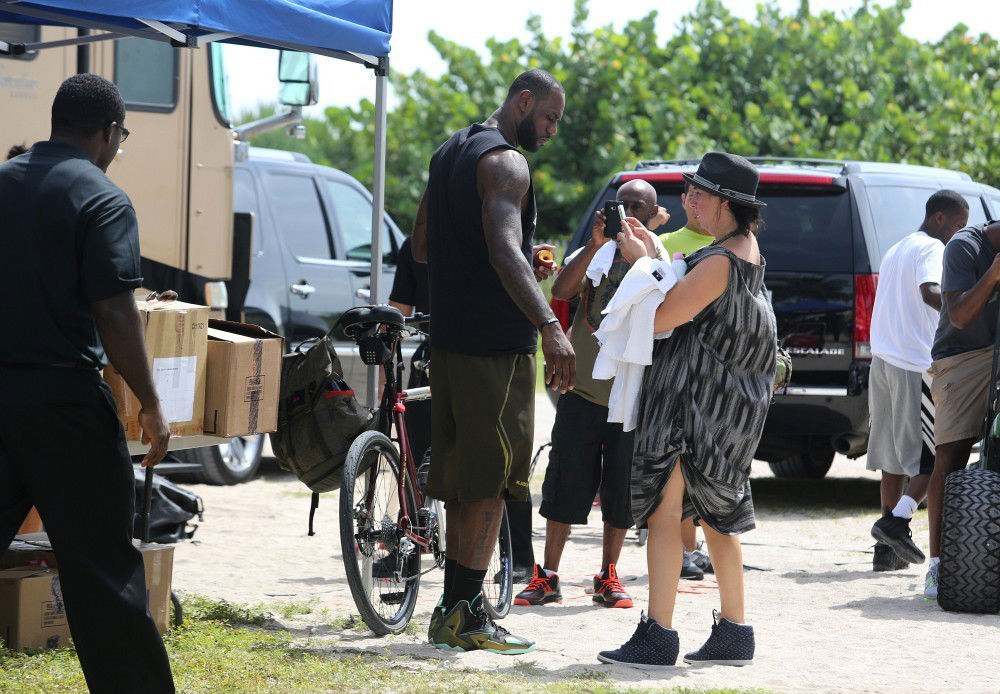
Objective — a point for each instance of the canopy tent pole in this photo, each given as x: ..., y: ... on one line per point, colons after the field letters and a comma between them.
x: 378, y: 205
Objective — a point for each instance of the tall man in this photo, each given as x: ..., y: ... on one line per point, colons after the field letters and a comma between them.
x: 589, y: 454
x: 70, y: 263
x: 475, y: 226
x: 905, y: 316
x: 963, y: 351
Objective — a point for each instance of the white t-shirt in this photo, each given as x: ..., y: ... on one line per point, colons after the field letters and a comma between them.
x: 903, y: 326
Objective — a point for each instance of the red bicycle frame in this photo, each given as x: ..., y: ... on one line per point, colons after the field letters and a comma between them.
x: 393, y: 408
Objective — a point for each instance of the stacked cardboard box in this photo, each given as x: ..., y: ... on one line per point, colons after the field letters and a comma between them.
x: 212, y: 376
x: 176, y: 343
x: 244, y: 375
x: 32, y: 614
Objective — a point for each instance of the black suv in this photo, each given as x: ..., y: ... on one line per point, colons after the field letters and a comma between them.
x: 827, y: 226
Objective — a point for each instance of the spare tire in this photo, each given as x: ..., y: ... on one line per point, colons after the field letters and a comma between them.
x: 969, y: 578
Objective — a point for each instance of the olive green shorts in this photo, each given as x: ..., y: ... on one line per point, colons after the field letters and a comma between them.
x: 482, y: 426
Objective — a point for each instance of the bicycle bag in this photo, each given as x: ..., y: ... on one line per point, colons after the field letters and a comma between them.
x: 318, y: 416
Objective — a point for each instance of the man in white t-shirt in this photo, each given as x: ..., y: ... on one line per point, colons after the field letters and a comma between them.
x: 905, y: 317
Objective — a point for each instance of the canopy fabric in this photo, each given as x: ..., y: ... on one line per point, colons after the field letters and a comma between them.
x: 326, y: 27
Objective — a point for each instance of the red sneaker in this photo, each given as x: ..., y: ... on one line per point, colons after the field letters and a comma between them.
x: 541, y: 589
x: 609, y: 591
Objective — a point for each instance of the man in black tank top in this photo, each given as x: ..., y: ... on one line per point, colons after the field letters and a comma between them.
x: 474, y: 228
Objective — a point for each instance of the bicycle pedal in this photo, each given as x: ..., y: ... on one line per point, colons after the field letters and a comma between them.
x: 392, y: 598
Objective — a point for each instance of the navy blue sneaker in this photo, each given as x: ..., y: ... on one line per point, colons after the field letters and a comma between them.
x: 729, y: 644
x: 651, y: 647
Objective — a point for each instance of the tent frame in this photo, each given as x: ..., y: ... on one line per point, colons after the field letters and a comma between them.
x: 183, y: 36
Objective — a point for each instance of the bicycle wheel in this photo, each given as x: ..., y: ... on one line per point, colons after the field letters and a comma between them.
x: 498, y: 586
x: 383, y: 566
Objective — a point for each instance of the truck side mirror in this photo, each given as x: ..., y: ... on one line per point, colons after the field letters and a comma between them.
x: 298, y: 77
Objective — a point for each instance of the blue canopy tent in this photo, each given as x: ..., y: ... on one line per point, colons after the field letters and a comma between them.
x: 353, y: 30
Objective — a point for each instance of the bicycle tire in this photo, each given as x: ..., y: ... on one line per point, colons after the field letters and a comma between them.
x: 374, y: 447
x: 498, y: 593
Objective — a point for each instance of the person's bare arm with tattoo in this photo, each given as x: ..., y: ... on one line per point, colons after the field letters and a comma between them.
x: 503, y: 179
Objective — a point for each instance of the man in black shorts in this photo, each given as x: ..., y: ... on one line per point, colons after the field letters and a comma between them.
x: 474, y: 227
x: 590, y: 454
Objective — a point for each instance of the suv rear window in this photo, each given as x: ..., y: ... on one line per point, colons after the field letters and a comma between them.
x: 805, y: 230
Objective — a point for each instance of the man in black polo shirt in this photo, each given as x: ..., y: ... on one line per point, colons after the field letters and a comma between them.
x: 475, y: 226
x: 70, y: 263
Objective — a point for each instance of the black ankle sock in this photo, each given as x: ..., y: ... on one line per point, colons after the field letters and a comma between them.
x: 467, y: 584
x: 449, y: 578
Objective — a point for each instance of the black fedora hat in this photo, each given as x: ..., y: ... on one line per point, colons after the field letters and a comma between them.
x: 729, y: 176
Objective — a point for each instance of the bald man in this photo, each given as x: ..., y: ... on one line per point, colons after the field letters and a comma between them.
x: 588, y: 454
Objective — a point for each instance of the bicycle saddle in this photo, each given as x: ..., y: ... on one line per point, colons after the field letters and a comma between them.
x: 363, y: 317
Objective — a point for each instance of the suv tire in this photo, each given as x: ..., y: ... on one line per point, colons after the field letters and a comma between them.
x: 230, y: 463
x: 810, y: 464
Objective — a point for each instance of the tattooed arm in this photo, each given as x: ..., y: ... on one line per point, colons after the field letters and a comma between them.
x: 503, y: 180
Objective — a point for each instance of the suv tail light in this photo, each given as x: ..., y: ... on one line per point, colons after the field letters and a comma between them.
x: 560, y: 307
x: 864, y: 303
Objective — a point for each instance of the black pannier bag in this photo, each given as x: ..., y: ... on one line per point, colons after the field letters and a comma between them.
x: 318, y: 416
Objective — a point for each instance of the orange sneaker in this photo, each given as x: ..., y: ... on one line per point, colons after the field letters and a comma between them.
x: 541, y: 589
x: 609, y: 591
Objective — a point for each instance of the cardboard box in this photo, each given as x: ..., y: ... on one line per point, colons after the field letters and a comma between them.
x: 242, y: 380
x: 176, y: 342
x: 32, y: 612
x: 34, y: 553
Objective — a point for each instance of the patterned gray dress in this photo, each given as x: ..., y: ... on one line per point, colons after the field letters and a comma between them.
x: 703, y: 402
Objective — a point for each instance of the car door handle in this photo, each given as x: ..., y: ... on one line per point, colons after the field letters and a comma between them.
x: 303, y: 289
x: 364, y: 293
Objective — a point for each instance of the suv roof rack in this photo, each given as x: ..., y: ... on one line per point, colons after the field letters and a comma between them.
x: 658, y: 163
x: 842, y: 166
x: 278, y: 154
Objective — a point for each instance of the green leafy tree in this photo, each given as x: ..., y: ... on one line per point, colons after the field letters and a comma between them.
x: 829, y: 85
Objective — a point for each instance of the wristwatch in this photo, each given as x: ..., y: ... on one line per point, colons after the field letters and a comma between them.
x: 550, y: 321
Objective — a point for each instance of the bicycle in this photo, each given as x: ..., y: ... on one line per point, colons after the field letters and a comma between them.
x: 384, y: 514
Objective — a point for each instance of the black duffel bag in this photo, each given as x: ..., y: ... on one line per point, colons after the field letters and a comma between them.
x: 318, y: 416
x: 170, y: 512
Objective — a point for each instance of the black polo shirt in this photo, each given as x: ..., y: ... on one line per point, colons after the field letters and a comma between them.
x: 69, y: 238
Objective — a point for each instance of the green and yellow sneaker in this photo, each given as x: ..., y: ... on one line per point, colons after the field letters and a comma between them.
x: 468, y: 628
x: 437, y: 616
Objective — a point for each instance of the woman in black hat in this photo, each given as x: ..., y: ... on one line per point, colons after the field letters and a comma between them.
x: 701, y: 413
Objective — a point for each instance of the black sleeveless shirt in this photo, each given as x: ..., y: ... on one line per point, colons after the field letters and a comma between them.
x: 471, y: 312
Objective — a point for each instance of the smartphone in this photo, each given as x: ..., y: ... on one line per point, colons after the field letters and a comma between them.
x: 614, y: 213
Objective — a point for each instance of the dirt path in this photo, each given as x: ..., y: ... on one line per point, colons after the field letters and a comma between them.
x: 824, y: 622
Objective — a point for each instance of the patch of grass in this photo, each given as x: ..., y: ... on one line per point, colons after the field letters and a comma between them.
x: 200, y: 608
x: 288, y: 610
x: 215, y: 651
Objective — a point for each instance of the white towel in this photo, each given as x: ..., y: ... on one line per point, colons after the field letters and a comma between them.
x: 626, y: 333
x: 601, y: 262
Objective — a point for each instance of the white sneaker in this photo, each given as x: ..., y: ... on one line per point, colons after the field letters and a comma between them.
x: 931, y: 583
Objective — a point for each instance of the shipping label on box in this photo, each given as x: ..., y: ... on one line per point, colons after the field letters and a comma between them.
x: 32, y: 611
x: 243, y: 378
x: 176, y: 343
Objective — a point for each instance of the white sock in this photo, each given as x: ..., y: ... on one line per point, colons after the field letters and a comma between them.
x: 906, y: 507
x: 934, y: 562
x: 549, y: 573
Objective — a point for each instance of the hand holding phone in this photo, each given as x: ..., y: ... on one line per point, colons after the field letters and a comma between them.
x: 614, y: 213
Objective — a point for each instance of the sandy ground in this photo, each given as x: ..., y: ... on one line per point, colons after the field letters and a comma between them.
x: 824, y: 621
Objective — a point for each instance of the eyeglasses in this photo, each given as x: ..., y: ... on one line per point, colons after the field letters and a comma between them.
x: 125, y: 131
